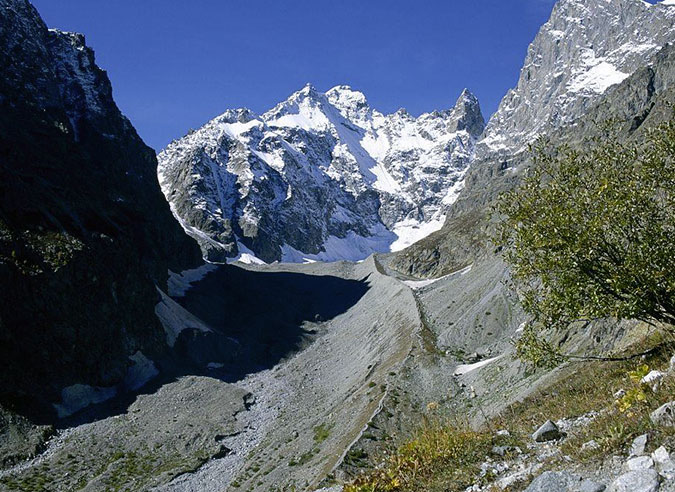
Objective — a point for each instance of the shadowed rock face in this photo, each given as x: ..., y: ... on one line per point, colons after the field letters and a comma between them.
x: 85, y: 233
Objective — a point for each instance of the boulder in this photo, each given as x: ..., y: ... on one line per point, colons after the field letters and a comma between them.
x: 639, y: 463
x: 590, y: 486
x: 664, y: 464
x: 638, y: 446
x: 653, y: 378
x: 636, y: 481
x: 563, y: 481
x: 547, y: 432
x: 664, y: 415
x: 619, y: 394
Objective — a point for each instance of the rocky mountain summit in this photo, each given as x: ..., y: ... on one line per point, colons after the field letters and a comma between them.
x: 321, y: 176
x: 585, y: 48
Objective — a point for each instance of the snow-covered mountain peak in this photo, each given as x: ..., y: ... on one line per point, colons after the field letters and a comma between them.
x: 320, y: 176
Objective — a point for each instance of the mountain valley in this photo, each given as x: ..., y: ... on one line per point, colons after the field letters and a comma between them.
x: 277, y: 302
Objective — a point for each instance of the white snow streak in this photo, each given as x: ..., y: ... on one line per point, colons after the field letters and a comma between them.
x: 463, y: 369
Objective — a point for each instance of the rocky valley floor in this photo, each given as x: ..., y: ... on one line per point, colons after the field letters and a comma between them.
x: 367, y: 358
x: 283, y: 419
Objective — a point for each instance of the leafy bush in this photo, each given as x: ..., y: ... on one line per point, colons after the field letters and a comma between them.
x: 590, y: 233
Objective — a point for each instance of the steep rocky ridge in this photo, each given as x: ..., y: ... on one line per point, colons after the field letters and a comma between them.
x: 585, y: 48
x: 637, y: 99
x: 320, y: 176
x: 85, y: 234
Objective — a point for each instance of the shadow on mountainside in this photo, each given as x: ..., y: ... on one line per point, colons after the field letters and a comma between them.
x: 263, y: 316
x: 256, y: 319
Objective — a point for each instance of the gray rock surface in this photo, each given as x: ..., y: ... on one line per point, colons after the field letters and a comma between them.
x: 639, y: 463
x: 561, y: 481
x: 664, y: 463
x: 547, y: 432
x: 636, y: 481
x: 203, y: 433
x: 589, y: 445
x: 590, y: 486
x: 664, y: 415
x: 637, y: 448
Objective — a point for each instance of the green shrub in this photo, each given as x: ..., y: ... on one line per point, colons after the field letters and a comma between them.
x: 589, y: 234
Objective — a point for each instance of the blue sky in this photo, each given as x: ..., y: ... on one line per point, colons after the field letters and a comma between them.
x: 175, y: 64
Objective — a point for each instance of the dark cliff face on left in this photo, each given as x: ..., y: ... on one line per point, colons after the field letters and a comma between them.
x: 85, y: 232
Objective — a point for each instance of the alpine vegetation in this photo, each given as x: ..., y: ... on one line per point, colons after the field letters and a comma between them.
x: 589, y: 233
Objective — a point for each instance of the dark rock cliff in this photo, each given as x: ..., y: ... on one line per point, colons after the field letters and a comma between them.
x: 85, y: 233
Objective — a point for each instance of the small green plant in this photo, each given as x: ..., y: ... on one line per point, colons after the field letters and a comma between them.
x: 637, y: 394
x: 322, y: 432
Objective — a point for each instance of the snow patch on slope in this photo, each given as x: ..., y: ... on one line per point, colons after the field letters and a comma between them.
x: 410, y: 231
x: 245, y: 256
x: 175, y: 318
x: 463, y: 369
x: 597, y: 76
x: 78, y: 396
x: 352, y: 247
x: 418, y: 284
x: 180, y: 283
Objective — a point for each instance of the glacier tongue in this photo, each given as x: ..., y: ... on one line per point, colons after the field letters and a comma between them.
x: 319, y: 177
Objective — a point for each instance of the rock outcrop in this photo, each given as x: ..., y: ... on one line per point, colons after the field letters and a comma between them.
x: 544, y: 104
x: 585, y: 48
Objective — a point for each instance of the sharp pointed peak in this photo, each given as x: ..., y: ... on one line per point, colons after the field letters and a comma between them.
x: 466, y: 95
x: 308, y: 89
x: 468, y: 113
